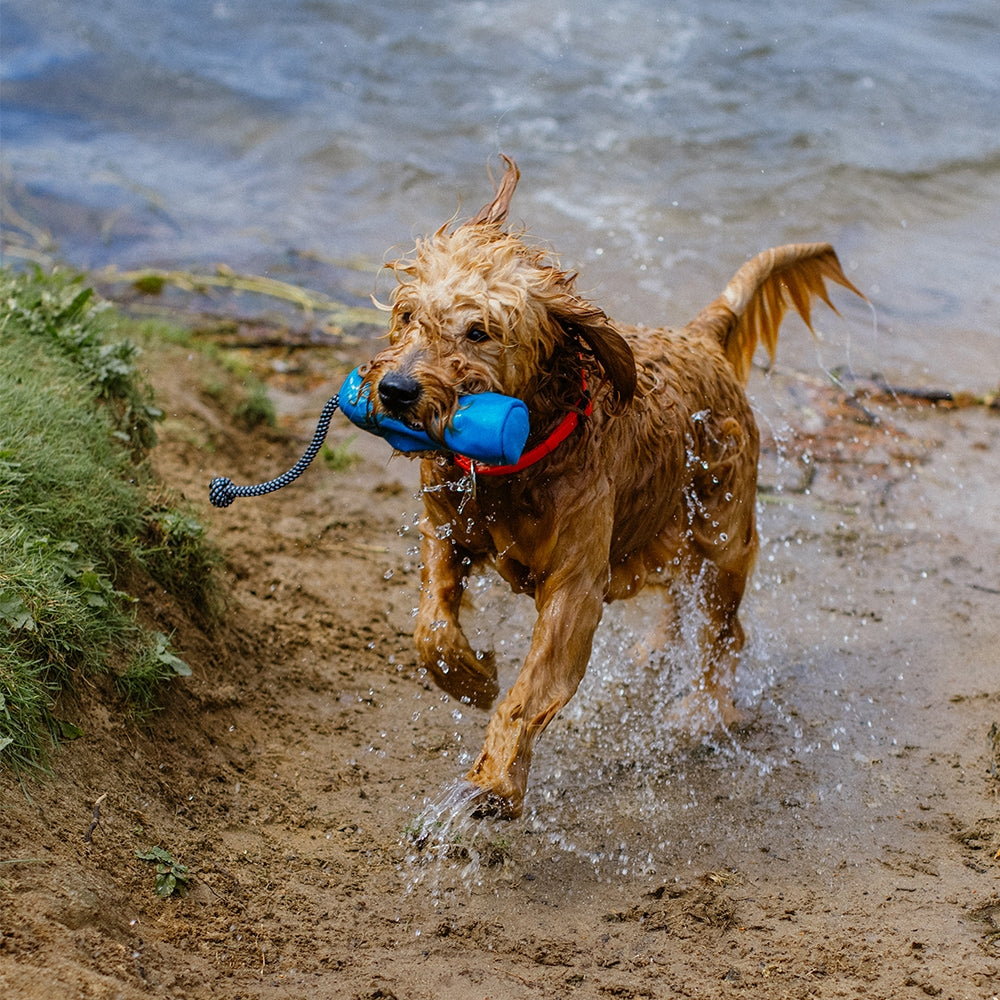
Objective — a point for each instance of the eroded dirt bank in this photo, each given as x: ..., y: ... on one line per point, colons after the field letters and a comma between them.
x: 844, y: 845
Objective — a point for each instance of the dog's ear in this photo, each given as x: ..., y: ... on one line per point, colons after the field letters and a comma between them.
x: 586, y: 322
x: 495, y: 213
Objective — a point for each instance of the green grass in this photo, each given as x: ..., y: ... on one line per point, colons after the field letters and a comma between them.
x: 76, y: 516
x: 255, y: 409
x: 339, y: 457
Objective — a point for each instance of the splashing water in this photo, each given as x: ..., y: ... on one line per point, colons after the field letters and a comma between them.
x: 465, y: 487
x: 618, y: 781
x: 448, y: 838
x: 626, y: 782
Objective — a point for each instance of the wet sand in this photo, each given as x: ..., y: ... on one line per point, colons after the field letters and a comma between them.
x: 845, y: 844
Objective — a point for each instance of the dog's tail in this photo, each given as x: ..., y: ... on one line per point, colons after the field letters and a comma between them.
x: 753, y: 304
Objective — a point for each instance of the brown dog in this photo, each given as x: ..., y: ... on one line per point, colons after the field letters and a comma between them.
x: 642, y: 464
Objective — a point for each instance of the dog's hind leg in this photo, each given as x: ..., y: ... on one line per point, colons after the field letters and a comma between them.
x: 441, y: 644
x: 720, y: 548
x: 717, y: 592
x: 723, y: 643
x: 660, y: 631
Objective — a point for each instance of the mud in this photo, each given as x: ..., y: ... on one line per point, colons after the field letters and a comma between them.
x: 844, y: 844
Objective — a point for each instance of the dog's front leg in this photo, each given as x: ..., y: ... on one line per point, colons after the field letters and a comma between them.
x: 442, y: 646
x: 569, y: 609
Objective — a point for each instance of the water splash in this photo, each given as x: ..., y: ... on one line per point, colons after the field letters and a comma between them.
x: 626, y: 783
x: 448, y: 842
x: 465, y: 487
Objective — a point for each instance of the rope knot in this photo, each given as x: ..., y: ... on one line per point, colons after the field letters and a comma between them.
x: 221, y: 491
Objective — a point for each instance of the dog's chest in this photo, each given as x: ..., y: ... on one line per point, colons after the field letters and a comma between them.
x: 501, y: 527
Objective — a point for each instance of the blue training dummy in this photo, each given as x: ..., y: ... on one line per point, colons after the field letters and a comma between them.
x: 487, y: 427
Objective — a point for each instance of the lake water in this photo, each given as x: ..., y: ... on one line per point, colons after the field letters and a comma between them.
x: 661, y: 143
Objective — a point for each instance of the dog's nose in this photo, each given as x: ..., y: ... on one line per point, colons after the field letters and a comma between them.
x: 398, y: 392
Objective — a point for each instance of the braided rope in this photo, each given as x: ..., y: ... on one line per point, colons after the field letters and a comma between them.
x: 222, y: 492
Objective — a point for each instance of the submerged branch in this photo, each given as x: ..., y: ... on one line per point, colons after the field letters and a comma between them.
x: 875, y: 387
x: 151, y: 281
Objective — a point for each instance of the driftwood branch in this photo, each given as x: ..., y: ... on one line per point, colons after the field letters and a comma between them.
x: 151, y: 281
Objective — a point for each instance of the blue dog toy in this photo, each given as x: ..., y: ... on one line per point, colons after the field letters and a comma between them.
x: 487, y: 427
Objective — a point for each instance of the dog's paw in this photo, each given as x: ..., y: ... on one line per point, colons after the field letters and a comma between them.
x: 490, y: 803
x: 501, y: 779
x: 445, y: 653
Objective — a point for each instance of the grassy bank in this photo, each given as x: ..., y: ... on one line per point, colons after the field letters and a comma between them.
x: 78, y: 526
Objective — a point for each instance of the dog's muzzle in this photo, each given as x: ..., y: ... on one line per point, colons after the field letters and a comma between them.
x: 398, y: 393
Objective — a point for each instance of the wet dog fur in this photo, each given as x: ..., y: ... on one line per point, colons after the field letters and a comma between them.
x: 657, y: 484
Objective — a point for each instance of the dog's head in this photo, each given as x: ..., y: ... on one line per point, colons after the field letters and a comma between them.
x: 477, y: 309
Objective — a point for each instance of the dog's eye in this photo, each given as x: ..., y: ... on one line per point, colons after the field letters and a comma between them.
x: 405, y: 317
x: 476, y: 334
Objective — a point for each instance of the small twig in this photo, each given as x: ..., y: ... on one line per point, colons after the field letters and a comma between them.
x: 520, y: 979
x: 767, y: 493
x: 96, y: 821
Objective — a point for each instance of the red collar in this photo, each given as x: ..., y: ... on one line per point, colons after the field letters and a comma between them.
x: 563, y: 429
